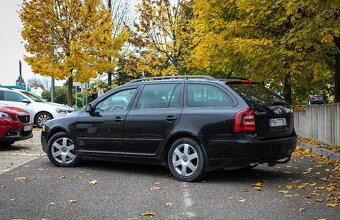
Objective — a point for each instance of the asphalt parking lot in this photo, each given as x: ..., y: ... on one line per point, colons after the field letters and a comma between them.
x: 20, y: 152
x: 106, y: 190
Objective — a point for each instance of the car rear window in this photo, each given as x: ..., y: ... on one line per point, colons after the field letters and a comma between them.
x: 256, y: 94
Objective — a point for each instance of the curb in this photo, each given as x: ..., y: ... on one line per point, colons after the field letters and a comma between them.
x: 319, y: 151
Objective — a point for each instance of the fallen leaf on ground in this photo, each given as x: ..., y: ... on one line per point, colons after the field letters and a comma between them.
x: 258, y: 184
x: 148, y: 214
x: 320, y: 188
x: 301, y: 209
x: 258, y: 188
x: 283, y: 191
x: 319, y: 200
x: 245, y: 190
x: 19, y: 178
x: 290, y: 187
x: 155, y: 188
x: 331, y: 205
x: 62, y: 177
x: 72, y: 201
x: 169, y: 204
x: 93, y: 182
x: 242, y: 200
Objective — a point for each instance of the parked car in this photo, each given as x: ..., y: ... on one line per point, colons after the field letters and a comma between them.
x: 40, y: 110
x: 190, y: 124
x: 14, y: 125
x: 317, y: 99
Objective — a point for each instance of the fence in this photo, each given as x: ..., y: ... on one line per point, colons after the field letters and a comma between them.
x: 320, y: 122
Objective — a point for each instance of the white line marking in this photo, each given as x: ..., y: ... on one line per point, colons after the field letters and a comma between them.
x: 187, y: 201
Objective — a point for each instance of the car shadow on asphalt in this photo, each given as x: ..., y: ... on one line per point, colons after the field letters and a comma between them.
x: 131, y: 168
x: 217, y: 176
x: 258, y: 174
x: 12, y: 148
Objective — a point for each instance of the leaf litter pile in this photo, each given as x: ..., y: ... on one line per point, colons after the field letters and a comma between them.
x: 325, y: 192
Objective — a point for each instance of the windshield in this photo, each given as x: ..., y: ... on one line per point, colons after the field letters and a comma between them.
x: 32, y: 96
x: 258, y: 95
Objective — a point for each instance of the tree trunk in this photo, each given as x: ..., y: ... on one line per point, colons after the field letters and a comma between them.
x: 337, y: 73
x: 109, y: 79
x: 287, y: 89
x: 69, y: 91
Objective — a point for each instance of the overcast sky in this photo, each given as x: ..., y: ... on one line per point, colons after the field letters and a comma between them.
x: 11, y: 47
x: 11, y: 44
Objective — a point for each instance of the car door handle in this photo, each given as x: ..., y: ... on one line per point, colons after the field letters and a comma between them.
x: 119, y: 119
x: 170, y: 118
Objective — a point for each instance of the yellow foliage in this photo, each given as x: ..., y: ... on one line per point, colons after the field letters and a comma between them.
x: 69, y: 38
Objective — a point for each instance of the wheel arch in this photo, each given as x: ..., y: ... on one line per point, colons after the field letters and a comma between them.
x: 179, y: 135
x: 57, y: 130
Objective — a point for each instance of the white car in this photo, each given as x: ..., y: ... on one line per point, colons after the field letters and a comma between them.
x: 39, y: 110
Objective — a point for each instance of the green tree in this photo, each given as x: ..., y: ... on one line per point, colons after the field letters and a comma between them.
x: 284, y: 43
x: 160, y: 34
x: 69, y: 39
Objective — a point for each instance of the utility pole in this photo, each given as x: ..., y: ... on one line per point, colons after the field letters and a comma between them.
x: 52, y: 90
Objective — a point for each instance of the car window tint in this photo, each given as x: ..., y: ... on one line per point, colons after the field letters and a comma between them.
x: 116, y: 102
x: 199, y: 95
x: 13, y: 97
x: 175, y: 100
x: 257, y: 95
x: 158, y: 96
x: 2, y: 97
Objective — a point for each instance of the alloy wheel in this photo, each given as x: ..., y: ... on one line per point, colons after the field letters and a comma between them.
x: 185, y: 159
x: 63, y: 151
x: 42, y: 119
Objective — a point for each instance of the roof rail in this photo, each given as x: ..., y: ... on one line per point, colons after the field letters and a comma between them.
x: 240, y: 78
x: 184, y: 77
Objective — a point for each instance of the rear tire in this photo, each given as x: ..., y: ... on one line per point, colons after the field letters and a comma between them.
x: 186, y: 160
x: 60, y: 150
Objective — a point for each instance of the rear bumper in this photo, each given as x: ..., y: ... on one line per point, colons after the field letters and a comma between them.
x: 241, y: 153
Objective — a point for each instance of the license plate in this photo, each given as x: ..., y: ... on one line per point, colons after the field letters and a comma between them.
x: 277, y: 122
x: 27, y: 127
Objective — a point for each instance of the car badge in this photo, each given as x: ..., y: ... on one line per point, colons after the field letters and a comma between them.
x: 278, y: 111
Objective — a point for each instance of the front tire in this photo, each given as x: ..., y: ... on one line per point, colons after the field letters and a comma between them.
x: 60, y: 150
x: 42, y: 118
x: 186, y: 160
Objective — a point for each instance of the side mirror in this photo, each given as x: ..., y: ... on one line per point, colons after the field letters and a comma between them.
x: 88, y: 108
x: 26, y: 101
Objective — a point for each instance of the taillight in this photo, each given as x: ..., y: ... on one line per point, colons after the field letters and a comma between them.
x: 244, y: 120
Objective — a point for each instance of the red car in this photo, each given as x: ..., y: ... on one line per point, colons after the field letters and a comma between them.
x: 15, y: 125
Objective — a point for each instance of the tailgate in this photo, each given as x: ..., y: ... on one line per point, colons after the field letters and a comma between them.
x: 273, y: 116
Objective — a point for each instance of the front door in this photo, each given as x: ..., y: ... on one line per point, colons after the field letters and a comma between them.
x: 102, y: 131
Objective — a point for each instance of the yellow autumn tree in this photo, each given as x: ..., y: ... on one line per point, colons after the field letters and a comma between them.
x: 69, y: 39
x: 161, y: 35
x: 293, y: 45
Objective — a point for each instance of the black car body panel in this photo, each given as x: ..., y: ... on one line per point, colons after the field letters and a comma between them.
x: 145, y: 135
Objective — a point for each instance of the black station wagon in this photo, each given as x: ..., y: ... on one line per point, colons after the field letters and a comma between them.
x: 191, y: 124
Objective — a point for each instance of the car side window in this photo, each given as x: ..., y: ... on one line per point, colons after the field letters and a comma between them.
x: 2, y: 97
x: 13, y: 97
x: 116, y: 102
x: 159, y: 96
x: 199, y: 95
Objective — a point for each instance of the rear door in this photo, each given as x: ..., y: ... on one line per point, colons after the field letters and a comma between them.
x: 273, y: 116
x: 153, y: 117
